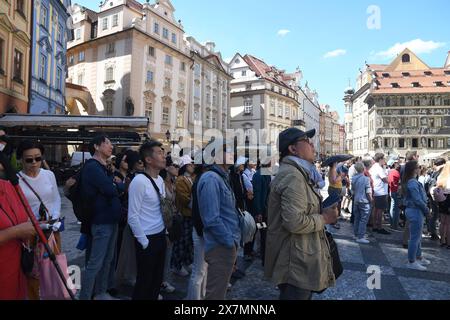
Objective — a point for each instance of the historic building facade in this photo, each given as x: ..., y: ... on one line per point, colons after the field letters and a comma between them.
x: 409, y: 107
x: 133, y: 59
x: 311, y: 112
x: 326, y: 131
x: 15, y: 42
x: 49, y: 63
x: 263, y: 97
x: 209, y: 88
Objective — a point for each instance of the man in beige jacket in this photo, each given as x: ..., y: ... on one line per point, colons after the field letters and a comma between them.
x: 298, y: 258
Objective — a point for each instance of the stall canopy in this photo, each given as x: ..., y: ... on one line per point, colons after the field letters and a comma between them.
x: 75, y: 130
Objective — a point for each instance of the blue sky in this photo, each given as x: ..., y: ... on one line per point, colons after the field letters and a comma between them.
x: 300, y: 33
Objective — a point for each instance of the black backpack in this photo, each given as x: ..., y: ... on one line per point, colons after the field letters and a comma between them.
x: 81, y: 208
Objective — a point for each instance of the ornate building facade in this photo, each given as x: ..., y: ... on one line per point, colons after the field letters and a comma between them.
x: 15, y: 42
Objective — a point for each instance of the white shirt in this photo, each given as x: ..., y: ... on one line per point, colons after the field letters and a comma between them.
x: 144, y: 208
x: 380, y: 188
x: 45, y: 186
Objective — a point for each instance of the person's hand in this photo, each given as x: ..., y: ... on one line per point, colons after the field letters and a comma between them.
x: 330, y: 215
x: 70, y: 182
x: 117, y: 180
x: 250, y: 195
x: 24, y: 231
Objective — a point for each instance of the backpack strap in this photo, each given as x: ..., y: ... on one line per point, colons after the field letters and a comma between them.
x: 35, y: 193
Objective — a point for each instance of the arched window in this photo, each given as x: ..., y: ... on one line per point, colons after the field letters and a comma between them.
x: 406, y: 58
x: 109, y: 74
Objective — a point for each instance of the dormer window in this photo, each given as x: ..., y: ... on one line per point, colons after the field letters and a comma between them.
x: 386, y: 75
x: 447, y: 72
x: 406, y: 74
x: 406, y: 58
x: 416, y: 84
x: 395, y: 85
x: 438, y: 83
x: 428, y: 73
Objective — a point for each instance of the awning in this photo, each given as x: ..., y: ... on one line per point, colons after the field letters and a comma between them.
x: 433, y: 156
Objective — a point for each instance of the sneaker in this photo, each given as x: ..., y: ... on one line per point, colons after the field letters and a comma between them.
x: 416, y: 266
x: 383, y: 231
x: 104, y: 297
x: 182, y: 272
x: 167, y: 287
x: 363, y: 241
x: 424, y: 262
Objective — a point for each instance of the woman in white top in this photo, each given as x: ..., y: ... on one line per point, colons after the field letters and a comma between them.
x: 43, y: 183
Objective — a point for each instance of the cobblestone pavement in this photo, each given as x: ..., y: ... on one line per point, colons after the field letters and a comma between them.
x: 385, y: 251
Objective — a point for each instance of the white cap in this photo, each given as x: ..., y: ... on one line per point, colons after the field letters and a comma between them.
x: 186, y: 159
x: 240, y: 161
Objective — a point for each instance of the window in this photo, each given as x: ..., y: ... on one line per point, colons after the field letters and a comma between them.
x: 395, y: 85
x: 272, y: 107
x: 78, y: 34
x: 167, y: 83
x: 416, y: 102
x: 20, y: 7
x: 151, y: 51
x: 248, y: 106
x: 80, y: 79
x: 156, y: 28
x: 105, y: 23
x: 60, y: 33
x: 174, y: 38
x: 43, y: 67
x: 165, y: 33
x: 244, y: 73
x: 248, y: 87
x: 168, y: 60
x: 214, y: 100
x: 183, y: 66
x: 180, y: 118
x: 111, y: 48
x: 414, y: 122
x: 109, y: 74
x: 44, y: 16
x: 181, y: 86
x: 280, y: 111
x: 58, y: 79
x: 165, y: 115
x: 287, y: 113
x: 214, y: 121
x: 388, y: 102
x: 432, y: 102
x: 81, y: 56
x: 447, y: 102
x: 431, y: 143
x: 197, y: 70
x: 438, y: 122
x: 415, y: 143
x: 2, y: 43
x: 197, y: 91
x: 208, y: 98
x: 109, y: 108
x: 401, y: 143
x: 386, y: 143
x: 71, y: 60
x: 406, y: 58
x: 149, y: 110
x: 115, y: 20
x: 440, y: 143
x: 402, y: 101
x: 149, y: 76
x: 18, y: 63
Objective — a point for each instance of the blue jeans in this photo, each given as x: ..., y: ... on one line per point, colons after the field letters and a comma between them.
x: 361, y: 214
x: 395, y: 210
x: 100, y: 257
x: 415, y: 218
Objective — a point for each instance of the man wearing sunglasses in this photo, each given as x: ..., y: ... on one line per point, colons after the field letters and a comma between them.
x: 297, y: 253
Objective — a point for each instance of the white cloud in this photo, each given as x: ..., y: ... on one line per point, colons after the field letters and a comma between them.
x: 418, y: 46
x: 335, y: 53
x: 283, y: 32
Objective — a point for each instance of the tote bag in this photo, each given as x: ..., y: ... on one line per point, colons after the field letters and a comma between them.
x: 51, y: 285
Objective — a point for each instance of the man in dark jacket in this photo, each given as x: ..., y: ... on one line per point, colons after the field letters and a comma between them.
x: 261, y: 189
x: 99, y: 189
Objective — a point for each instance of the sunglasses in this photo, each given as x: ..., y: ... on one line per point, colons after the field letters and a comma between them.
x: 31, y: 160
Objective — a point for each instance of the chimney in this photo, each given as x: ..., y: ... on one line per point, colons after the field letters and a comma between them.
x: 447, y: 63
x: 210, y: 46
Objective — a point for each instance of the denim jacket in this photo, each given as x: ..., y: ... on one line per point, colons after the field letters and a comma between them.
x: 361, y: 187
x: 217, y: 207
x: 416, y: 197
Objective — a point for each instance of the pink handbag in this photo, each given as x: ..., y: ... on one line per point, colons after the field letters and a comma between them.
x: 51, y: 286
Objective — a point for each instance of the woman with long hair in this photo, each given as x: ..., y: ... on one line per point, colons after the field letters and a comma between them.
x: 416, y: 211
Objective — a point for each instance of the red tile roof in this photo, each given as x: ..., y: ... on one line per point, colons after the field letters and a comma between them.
x: 267, y: 72
x: 427, y: 83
